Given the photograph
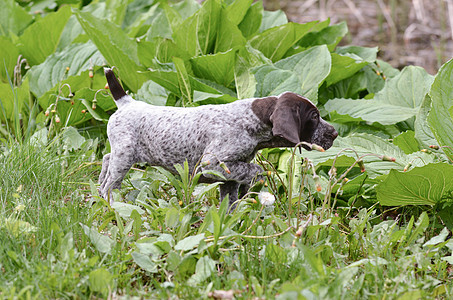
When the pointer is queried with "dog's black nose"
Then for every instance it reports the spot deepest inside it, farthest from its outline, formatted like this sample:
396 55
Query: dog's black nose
334 134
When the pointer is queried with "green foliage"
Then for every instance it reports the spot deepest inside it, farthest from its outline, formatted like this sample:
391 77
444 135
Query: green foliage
425 185
440 116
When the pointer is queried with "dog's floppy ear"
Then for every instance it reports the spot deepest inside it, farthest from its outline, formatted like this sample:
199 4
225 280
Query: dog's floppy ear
286 121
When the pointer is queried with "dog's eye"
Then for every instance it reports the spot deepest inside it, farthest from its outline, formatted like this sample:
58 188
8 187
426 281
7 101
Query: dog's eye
315 116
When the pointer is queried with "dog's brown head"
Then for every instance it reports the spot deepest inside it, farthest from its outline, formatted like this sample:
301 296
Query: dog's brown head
294 119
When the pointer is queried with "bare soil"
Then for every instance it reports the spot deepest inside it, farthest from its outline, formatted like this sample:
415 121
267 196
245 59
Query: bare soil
407 32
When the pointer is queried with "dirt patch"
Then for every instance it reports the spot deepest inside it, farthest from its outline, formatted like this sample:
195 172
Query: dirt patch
417 32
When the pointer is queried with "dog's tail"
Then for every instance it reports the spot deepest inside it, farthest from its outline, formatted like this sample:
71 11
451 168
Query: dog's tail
115 87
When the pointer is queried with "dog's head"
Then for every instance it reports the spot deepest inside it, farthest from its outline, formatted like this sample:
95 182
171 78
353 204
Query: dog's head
296 119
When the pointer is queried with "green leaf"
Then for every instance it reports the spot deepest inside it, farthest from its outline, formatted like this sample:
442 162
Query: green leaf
76 57
217 67
398 101
272 19
149 249
166 79
172 217
152 93
116 47
161 49
407 142
423 132
237 10
104 100
198 33
419 230
160 26
13 18
425 185
343 67
275 42
125 210
186 8
11 98
189 242
247 58
435 240
329 36
440 117
183 79
363 143
229 36
41 38
72 140
144 262
117 10
366 54
204 269
8 59
101 242
301 73
101 280
251 22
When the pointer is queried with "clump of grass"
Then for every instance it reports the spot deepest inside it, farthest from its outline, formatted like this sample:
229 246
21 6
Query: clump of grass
39 221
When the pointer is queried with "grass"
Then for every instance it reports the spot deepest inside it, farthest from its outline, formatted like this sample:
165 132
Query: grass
56 241
39 224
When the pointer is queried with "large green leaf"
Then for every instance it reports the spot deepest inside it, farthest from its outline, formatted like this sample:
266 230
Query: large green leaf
161 49
152 93
8 58
329 36
41 38
426 185
423 132
228 36
116 47
363 143
275 42
343 66
217 67
237 10
252 20
247 58
301 73
272 19
440 117
77 57
366 54
407 142
13 18
198 33
12 98
73 31
398 101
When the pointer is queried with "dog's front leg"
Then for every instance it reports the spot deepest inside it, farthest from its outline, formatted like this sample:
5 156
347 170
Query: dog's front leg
237 174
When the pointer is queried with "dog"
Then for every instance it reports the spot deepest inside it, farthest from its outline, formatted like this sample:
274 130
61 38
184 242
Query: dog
224 137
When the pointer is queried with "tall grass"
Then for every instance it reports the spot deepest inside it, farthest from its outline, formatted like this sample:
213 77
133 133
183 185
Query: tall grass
39 222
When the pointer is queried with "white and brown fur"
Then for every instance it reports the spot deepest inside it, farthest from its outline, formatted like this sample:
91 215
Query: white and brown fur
229 133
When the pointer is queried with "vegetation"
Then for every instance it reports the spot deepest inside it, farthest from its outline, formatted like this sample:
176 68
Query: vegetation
368 218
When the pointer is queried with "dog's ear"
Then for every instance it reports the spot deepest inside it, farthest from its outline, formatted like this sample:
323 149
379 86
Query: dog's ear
286 122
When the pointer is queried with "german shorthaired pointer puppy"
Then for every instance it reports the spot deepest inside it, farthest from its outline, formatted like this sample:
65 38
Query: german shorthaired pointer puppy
218 135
